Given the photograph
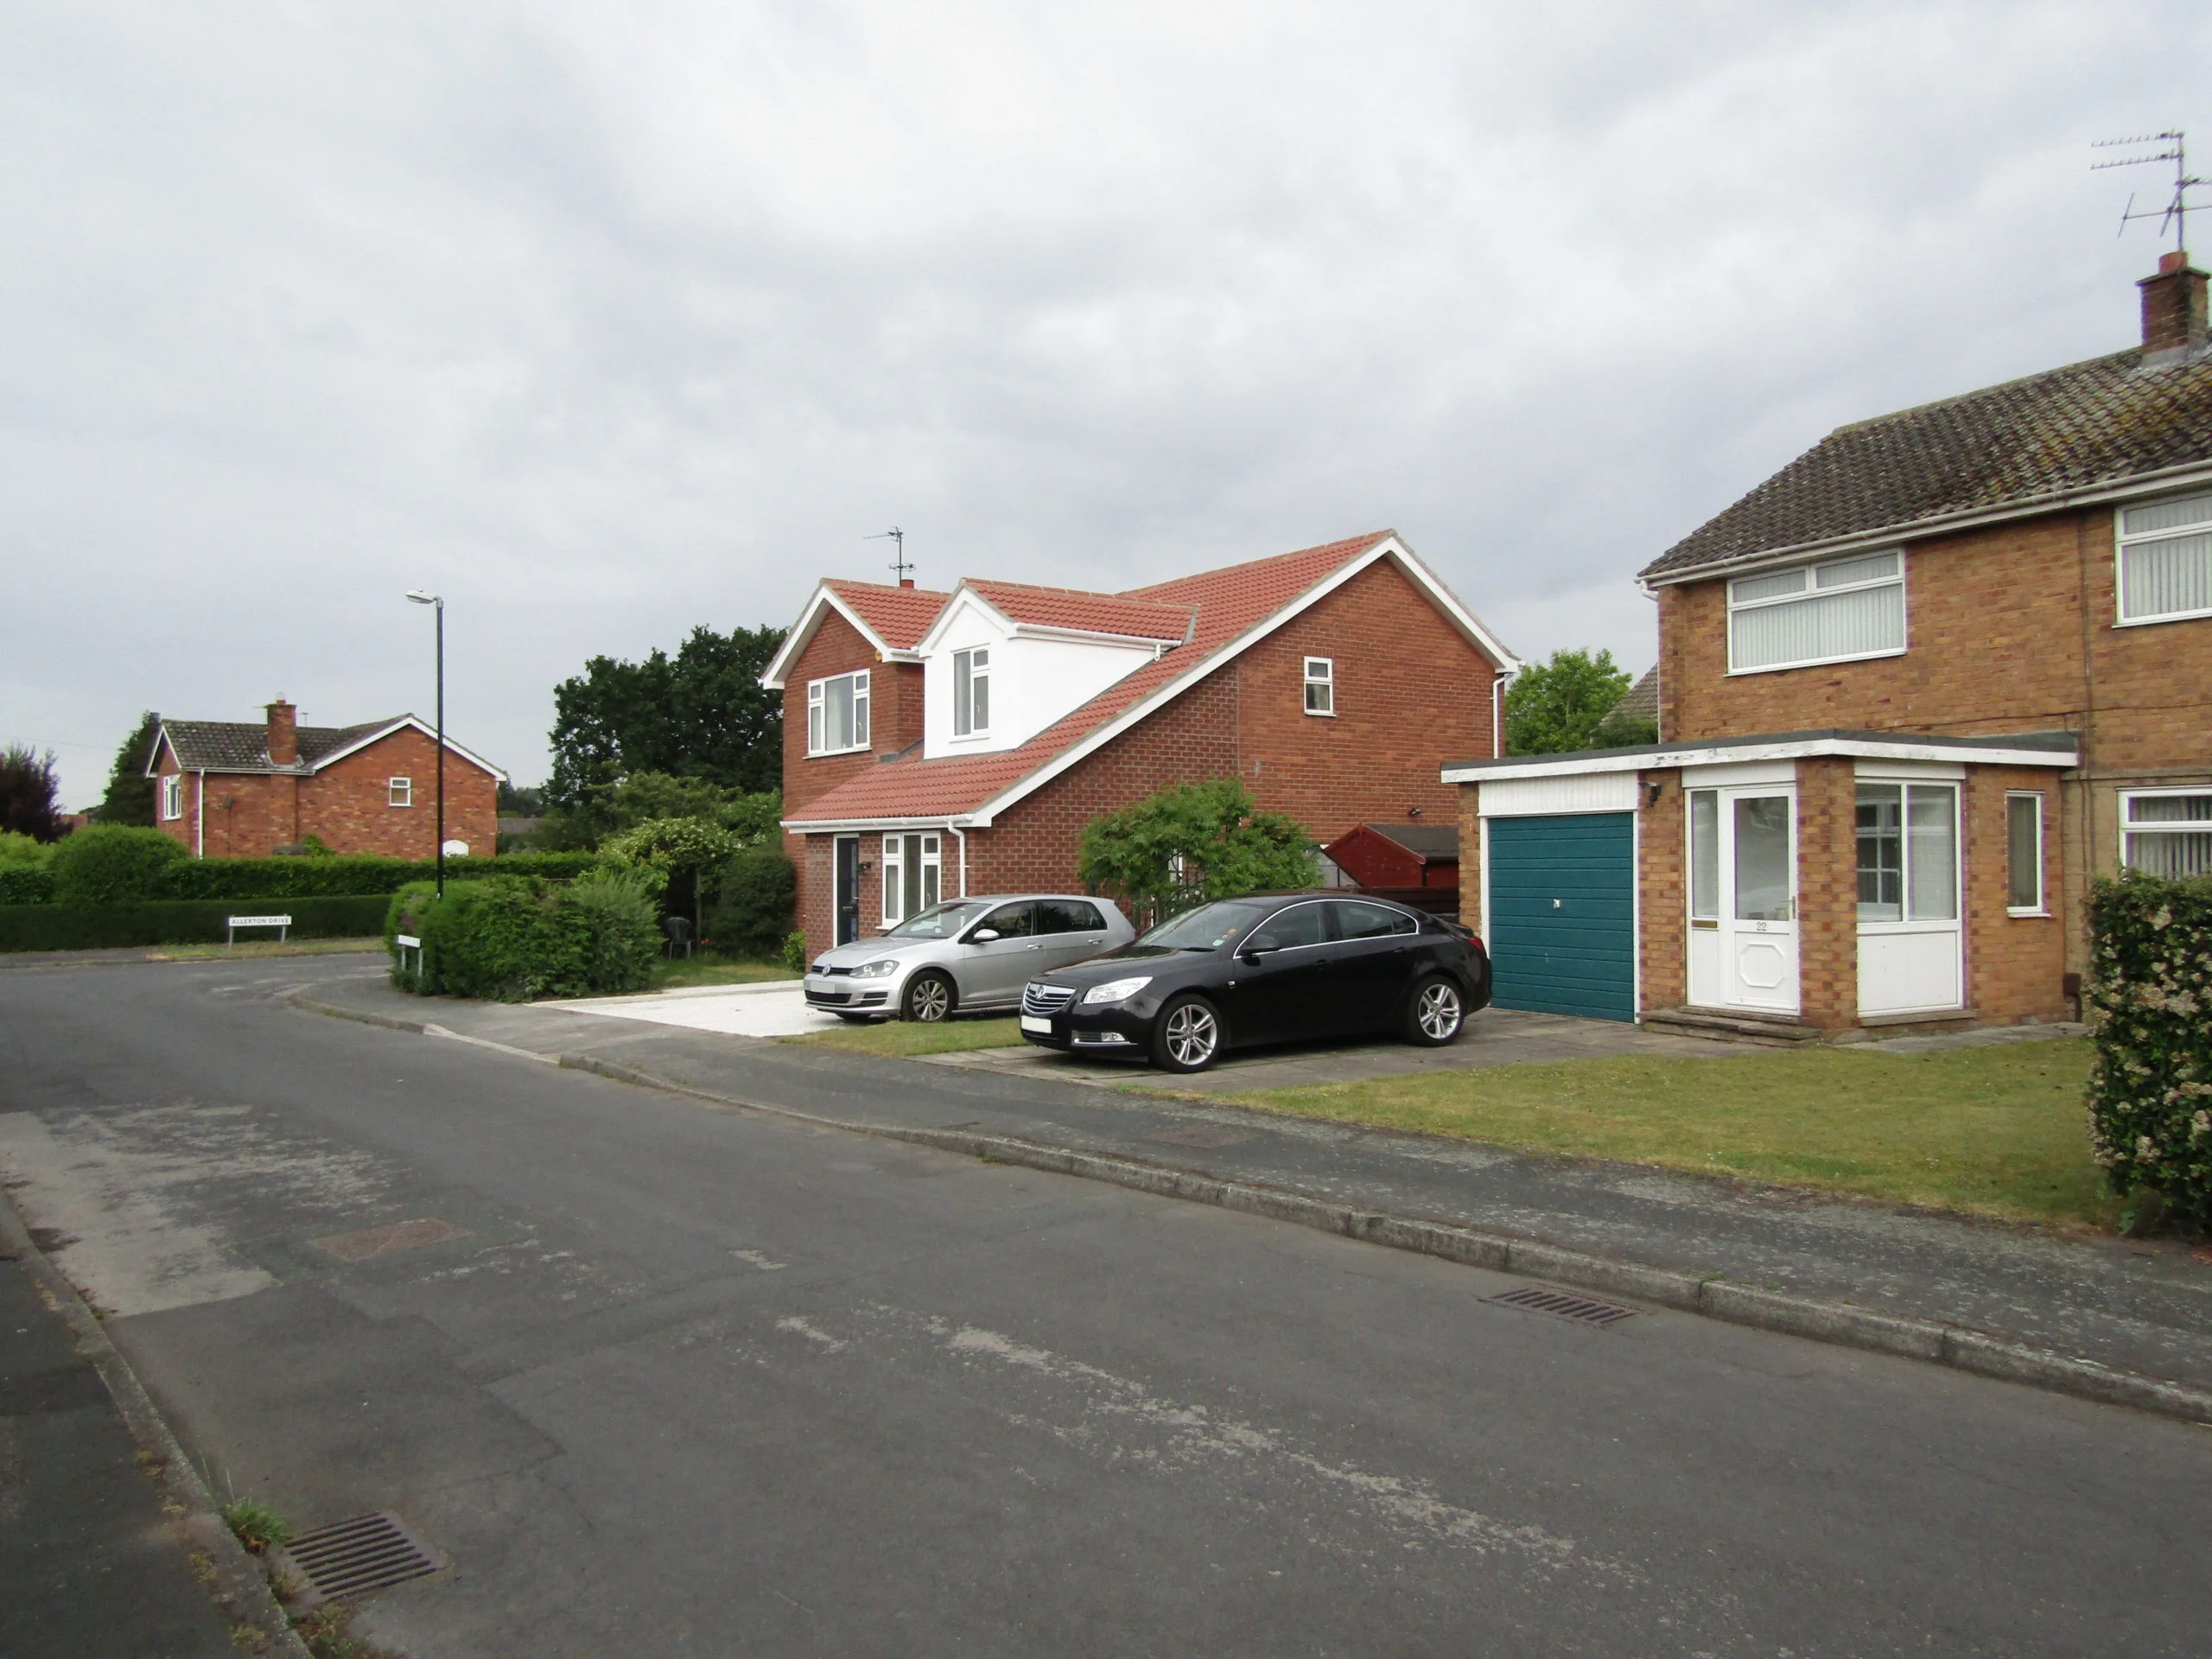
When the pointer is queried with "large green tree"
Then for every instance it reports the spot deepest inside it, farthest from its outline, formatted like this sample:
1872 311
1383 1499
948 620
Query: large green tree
1554 707
700 714
31 793
1192 843
130 798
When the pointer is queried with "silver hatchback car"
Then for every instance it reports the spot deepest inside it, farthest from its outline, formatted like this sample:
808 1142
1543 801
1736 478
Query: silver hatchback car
965 955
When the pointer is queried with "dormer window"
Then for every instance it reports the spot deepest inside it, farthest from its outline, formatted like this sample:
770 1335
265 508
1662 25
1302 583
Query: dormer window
971 691
837 714
1837 611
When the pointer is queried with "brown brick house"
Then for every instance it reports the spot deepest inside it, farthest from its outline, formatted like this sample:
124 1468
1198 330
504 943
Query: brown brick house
229 789
1914 690
943 743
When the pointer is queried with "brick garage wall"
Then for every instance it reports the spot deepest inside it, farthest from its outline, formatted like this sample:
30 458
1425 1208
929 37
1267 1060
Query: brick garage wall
1662 896
1827 892
2015 964
1471 856
348 805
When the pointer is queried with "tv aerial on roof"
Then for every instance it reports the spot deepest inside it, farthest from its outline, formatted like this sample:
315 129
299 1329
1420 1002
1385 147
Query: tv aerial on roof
2176 211
896 537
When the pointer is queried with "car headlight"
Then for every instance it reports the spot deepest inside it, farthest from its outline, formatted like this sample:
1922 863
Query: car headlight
881 968
1116 990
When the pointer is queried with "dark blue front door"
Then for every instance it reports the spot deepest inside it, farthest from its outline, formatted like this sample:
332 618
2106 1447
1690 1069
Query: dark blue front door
1561 927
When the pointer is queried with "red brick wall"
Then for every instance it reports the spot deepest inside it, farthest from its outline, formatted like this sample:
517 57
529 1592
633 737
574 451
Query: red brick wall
1662 899
1827 892
2015 964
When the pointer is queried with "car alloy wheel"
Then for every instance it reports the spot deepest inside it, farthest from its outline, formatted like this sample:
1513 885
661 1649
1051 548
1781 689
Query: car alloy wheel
1438 1011
929 998
1190 1037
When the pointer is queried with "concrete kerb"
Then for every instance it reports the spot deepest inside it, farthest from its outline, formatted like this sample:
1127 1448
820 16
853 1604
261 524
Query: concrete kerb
1934 1341
240 1589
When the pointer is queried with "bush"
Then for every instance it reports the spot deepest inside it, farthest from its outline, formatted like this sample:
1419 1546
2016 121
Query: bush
293 876
621 914
759 887
2150 989
26 884
510 939
70 927
114 864
795 953
1191 844
18 849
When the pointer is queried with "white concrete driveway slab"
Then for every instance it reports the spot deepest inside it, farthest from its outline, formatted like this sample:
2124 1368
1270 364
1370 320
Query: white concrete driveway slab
776 1009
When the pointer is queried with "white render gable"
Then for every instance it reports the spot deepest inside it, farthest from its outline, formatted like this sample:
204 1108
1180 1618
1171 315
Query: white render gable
1036 676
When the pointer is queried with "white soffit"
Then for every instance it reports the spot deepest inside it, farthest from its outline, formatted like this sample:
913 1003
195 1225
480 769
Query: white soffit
1529 797
1725 753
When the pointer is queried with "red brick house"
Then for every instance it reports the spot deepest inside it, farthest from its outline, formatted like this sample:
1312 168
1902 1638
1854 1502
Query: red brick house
1915 691
943 743
228 788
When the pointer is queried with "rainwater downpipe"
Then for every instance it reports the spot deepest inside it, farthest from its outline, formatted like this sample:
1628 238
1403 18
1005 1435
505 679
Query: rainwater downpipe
954 831
1497 713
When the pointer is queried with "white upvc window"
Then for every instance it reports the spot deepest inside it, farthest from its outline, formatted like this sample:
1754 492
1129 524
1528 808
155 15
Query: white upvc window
173 796
971 692
1320 685
2165 570
400 791
1908 852
2167 831
2024 854
837 714
1837 611
914 875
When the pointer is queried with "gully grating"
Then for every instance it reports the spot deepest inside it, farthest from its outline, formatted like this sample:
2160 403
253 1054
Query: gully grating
350 1558
1583 1310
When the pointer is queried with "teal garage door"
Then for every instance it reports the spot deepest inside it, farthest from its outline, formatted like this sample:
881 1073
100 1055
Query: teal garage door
1562 921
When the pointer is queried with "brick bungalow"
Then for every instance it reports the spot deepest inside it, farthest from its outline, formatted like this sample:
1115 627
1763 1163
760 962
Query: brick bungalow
938 744
229 789
1915 691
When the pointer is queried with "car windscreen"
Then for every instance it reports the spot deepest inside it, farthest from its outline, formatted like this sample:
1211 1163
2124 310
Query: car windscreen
1207 928
937 922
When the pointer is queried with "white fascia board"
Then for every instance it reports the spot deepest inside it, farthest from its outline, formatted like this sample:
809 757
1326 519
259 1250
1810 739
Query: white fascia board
962 594
1724 753
1941 523
401 724
1099 636
848 826
1446 602
773 677
160 742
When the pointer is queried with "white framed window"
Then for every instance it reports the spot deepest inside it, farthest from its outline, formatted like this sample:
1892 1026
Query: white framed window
1908 852
971 692
2165 570
1704 856
1320 685
914 875
2167 831
173 795
837 714
2024 854
1837 611
400 791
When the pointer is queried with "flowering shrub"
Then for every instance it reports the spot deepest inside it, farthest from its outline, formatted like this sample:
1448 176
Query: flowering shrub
2151 992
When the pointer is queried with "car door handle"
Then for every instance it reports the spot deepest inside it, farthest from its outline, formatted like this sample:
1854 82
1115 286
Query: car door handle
1032 947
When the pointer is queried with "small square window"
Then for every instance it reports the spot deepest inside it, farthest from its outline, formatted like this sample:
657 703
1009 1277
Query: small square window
1320 685
401 792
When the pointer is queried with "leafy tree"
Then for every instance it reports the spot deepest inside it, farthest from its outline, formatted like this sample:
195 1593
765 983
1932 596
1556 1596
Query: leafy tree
1622 730
1558 706
18 850
1192 843
648 797
130 798
701 714
31 793
521 800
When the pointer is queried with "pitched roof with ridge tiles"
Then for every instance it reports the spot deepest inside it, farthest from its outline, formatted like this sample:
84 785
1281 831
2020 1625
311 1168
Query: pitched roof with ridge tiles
2086 426
242 746
1230 602
899 616
1086 613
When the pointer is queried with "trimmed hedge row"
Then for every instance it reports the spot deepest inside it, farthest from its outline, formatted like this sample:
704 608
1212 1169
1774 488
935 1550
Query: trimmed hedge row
2151 986
70 927
26 884
512 939
304 878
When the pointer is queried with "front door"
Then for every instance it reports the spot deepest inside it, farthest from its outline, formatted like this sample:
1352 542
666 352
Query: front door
1758 898
848 888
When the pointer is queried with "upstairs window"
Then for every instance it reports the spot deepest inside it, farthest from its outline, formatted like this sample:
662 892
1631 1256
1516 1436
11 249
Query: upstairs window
1320 685
2165 560
2168 832
399 791
971 691
1836 612
837 714
173 796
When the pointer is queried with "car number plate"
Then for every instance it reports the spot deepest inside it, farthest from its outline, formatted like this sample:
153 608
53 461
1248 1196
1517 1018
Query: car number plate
1037 1023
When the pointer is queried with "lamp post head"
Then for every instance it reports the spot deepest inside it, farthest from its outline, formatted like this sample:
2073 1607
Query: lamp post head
418 596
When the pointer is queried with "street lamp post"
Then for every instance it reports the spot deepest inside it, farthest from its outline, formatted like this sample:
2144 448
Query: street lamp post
416 595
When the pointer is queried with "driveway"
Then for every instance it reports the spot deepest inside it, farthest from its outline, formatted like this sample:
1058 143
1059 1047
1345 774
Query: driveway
775 1009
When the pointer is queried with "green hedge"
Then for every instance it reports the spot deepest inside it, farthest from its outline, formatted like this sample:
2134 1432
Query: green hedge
72 927
26 884
258 878
2150 989
759 887
511 938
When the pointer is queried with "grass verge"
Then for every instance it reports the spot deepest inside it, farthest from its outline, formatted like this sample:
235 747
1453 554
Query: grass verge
262 948
1999 1130
901 1039
705 968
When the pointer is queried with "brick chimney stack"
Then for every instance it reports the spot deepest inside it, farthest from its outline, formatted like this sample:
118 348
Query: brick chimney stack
905 581
2173 305
284 734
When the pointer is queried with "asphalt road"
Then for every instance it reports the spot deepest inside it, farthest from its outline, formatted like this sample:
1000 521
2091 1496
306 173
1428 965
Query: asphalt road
675 1380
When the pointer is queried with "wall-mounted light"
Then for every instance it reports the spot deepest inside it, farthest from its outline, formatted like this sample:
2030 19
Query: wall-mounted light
1413 812
1653 789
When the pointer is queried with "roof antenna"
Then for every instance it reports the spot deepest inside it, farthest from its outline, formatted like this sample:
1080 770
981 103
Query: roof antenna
2175 213
896 537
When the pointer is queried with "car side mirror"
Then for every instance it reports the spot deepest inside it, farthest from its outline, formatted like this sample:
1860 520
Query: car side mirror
982 936
1258 945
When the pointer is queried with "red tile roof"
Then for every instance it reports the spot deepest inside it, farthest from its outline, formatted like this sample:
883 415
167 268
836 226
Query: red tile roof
1229 601
1072 607
900 616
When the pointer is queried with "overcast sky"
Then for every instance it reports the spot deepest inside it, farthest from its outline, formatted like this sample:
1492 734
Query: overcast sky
607 321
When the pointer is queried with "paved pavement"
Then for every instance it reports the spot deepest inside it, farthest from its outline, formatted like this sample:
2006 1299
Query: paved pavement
666 1379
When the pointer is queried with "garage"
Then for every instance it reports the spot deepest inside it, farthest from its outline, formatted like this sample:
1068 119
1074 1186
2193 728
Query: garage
1560 912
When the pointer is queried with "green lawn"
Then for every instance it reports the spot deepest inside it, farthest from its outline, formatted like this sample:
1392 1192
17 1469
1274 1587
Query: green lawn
899 1037
1998 1130
263 948
705 968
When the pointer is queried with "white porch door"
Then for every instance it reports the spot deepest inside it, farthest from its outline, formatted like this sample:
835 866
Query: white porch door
1744 885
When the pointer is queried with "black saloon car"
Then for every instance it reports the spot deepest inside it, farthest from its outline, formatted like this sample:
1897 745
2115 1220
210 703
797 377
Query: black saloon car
1269 968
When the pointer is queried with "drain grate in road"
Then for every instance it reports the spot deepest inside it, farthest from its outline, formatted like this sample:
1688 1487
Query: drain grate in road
1583 1310
350 1558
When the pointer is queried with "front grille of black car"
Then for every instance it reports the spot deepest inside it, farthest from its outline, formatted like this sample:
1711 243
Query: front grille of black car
1045 1000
